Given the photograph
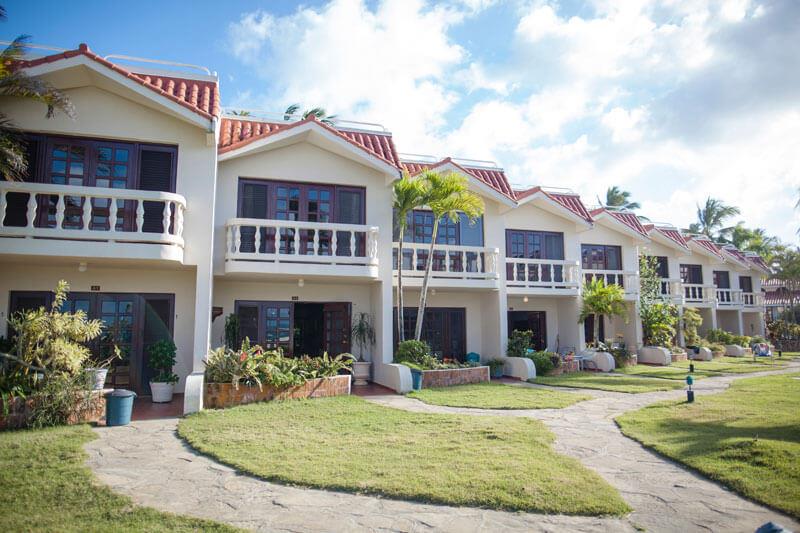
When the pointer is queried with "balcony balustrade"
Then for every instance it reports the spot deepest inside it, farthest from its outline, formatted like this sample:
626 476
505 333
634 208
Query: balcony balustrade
542 275
453 263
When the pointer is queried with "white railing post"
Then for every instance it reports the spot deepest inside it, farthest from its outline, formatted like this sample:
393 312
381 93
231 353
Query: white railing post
334 242
31 213
514 271
352 244
229 239
179 221
167 217
257 240
237 238
315 245
413 258
87 212
112 215
140 216
60 211
296 241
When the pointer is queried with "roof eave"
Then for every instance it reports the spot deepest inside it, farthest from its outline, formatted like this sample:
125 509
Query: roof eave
562 211
174 108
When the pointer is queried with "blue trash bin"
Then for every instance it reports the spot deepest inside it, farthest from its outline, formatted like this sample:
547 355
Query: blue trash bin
119 405
473 357
416 379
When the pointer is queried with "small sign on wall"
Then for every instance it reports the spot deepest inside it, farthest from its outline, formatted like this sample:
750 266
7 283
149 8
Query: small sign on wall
95 287
295 298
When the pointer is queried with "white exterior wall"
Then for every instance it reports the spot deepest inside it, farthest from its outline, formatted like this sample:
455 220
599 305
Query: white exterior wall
106 115
22 276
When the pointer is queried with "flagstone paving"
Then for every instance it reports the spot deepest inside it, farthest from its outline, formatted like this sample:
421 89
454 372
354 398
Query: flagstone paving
148 462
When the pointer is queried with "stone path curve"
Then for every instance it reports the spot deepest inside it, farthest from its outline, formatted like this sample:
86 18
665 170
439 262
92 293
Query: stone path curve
148 462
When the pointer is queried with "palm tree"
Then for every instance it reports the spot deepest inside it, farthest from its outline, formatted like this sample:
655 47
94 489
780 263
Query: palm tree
14 82
447 195
319 112
241 113
408 195
615 197
754 240
601 300
711 218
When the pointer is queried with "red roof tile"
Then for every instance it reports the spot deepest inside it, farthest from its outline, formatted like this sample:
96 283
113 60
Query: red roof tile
625 217
199 96
758 261
734 252
493 177
236 133
705 243
569 201
780 297
670 233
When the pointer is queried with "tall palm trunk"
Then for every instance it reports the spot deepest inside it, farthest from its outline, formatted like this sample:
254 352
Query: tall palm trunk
400 333
423 296
596 328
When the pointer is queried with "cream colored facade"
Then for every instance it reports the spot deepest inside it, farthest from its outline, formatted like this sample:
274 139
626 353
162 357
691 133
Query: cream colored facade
199 259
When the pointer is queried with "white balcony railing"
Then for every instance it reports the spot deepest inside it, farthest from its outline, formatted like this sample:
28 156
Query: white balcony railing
625 279
729 297
753 299
40 210
698 293
291 241
542 274
449 261
671 290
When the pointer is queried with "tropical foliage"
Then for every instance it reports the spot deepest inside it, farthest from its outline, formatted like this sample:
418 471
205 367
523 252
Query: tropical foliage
408 195
659 318
14 82
519 342
711 219
615 197
787 269
319 112
691 322
363 333
162 360
253 366
600 300
448 196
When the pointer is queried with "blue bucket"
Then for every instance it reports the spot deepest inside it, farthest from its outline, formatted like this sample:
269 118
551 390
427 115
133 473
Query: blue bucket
416 379
119 406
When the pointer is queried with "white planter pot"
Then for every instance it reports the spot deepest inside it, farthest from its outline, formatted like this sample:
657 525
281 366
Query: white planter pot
162 392
703 354
603 361
733 350
98 377
655 355
361 370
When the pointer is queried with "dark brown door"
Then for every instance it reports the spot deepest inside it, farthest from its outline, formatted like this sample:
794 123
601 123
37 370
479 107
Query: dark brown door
118 312
336 327
533 321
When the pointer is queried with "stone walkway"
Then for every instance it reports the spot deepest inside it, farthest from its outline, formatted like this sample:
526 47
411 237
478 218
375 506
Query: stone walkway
148 462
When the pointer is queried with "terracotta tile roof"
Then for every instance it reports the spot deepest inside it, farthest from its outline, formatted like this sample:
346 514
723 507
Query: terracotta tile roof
780 297
672 234
734 252
199 96
493 177
236 133
773 282
569 201
706 243
758 261
625 217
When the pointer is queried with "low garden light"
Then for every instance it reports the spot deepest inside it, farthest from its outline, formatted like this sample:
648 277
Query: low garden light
689 391
691 368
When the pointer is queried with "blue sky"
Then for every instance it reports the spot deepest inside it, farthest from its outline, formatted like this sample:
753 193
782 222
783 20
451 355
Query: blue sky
673 101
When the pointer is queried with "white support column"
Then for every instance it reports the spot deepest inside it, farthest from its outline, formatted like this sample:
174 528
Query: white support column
739 322
681 340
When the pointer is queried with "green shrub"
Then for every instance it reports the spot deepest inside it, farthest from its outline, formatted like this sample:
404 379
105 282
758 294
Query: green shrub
494 364
717 349
691 322
622 357
519 343
542 361
412 351
658 324
161 361
59 397
232 331
719 336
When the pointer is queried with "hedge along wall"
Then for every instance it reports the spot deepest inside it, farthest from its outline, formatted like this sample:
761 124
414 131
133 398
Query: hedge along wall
222 395
19 411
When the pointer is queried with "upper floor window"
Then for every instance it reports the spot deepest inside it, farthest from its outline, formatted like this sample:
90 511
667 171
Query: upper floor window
746 283
662 267
722 279
692 274
534 244
419 229
307 202
601 257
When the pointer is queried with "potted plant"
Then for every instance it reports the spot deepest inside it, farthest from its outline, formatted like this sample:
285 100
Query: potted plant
496 368
363 334
161 360
98 372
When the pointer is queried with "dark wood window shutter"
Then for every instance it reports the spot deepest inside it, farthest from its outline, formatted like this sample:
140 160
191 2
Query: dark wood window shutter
156 173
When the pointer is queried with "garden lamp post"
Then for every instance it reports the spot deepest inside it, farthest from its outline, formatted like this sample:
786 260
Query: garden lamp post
689 391
691 368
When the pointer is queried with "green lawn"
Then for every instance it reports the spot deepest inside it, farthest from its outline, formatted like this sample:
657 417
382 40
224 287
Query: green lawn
348 444
664 372
497 396
733 365
46 487
747 437
608 382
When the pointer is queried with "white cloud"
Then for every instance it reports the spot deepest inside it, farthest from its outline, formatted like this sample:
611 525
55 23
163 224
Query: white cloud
625 125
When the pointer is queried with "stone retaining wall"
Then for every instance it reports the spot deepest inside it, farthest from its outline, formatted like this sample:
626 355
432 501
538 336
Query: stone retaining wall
221 395
454 376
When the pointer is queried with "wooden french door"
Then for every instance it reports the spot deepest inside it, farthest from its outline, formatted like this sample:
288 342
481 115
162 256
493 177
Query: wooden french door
533 321
336 327
132 322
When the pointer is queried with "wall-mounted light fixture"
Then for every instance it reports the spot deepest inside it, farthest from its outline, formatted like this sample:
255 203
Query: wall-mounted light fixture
82 267
301 282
